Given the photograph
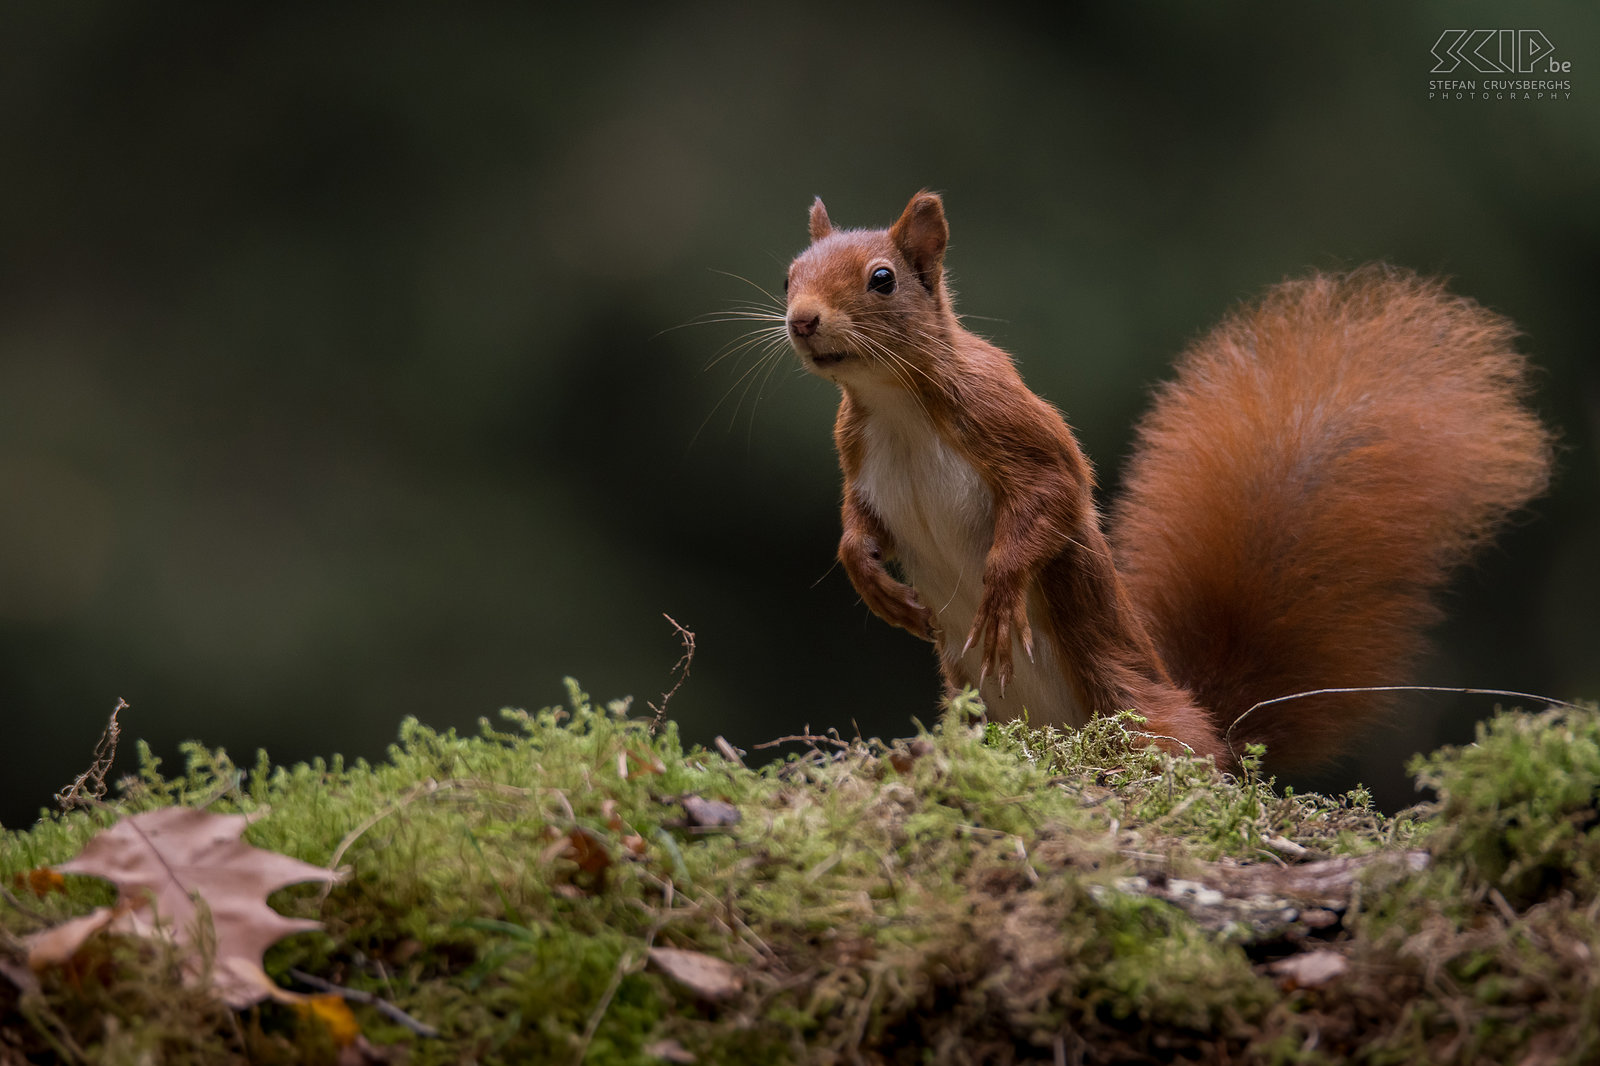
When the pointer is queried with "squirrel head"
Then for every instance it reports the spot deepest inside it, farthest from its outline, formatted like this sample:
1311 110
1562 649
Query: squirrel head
862 304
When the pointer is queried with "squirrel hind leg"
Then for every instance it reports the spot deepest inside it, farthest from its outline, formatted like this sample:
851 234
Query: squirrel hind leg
1174 723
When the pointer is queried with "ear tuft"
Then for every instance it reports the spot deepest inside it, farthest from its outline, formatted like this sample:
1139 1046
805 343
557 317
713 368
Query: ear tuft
921 234
820 226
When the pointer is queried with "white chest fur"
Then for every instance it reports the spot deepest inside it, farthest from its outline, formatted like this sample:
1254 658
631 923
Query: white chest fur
934 502
941 514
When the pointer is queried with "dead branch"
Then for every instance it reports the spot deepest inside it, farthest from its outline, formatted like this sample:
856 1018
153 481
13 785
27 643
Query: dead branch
681 667
382 1006
90 787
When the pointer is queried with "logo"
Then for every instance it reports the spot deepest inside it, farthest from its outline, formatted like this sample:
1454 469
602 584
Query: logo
1497 52
1519 65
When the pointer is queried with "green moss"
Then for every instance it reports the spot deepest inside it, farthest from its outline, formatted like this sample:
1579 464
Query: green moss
968 895
1518 808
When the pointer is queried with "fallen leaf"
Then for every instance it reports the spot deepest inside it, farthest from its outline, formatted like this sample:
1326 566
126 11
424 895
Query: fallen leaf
709 814
584 849
41 881
333 1012
706 976
244 974
1310 970
162 863
58 944
588 851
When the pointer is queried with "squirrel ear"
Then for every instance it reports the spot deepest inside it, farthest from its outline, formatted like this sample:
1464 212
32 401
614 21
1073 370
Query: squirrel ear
921 234
820 226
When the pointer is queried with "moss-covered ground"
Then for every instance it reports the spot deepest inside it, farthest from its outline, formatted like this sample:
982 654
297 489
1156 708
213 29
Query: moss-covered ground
986 894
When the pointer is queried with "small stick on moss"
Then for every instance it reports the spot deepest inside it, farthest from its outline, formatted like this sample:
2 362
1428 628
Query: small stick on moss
749 936
1550 701
681 667
381 1005
807 737
425 788
1506 910
728 751
422 791
90 787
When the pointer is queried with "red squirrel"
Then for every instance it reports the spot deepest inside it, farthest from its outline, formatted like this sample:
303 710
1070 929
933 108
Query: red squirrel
1321 462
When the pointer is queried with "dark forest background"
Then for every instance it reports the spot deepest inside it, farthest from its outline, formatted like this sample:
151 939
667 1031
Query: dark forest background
340 376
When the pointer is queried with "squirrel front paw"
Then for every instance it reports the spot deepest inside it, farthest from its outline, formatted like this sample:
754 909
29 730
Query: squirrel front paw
899 605
1001 618
864 556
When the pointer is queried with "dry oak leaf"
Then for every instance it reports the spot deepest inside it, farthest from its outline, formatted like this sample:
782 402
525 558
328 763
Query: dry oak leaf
57 945
161 862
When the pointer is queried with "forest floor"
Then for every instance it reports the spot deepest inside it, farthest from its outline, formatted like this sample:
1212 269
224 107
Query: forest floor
572 886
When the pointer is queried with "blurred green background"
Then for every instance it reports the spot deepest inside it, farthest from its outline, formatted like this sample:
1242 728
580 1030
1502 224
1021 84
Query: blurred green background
340 377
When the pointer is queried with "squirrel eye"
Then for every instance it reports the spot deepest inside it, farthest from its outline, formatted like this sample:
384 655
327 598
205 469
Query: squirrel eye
882 280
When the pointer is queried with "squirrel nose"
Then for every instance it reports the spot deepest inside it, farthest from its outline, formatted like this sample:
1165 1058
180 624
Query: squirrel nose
802 325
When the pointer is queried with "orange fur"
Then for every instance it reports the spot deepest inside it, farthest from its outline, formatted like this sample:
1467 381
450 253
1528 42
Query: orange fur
1321 462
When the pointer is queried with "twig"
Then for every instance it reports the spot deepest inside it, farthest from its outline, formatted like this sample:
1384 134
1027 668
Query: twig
682 669
425 788
1227 737
422 790
1161 736
728 751
381 1005
90 787
807 737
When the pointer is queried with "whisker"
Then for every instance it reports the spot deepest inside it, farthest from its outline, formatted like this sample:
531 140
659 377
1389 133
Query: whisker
897 364
771 338
759 288
890 354
772 363
737 313
758 345
742 384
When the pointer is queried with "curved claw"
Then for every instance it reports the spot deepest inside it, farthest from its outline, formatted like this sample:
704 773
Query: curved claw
994 629
1002 664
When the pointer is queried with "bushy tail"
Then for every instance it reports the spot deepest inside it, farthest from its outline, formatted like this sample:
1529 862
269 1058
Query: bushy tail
1306 484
